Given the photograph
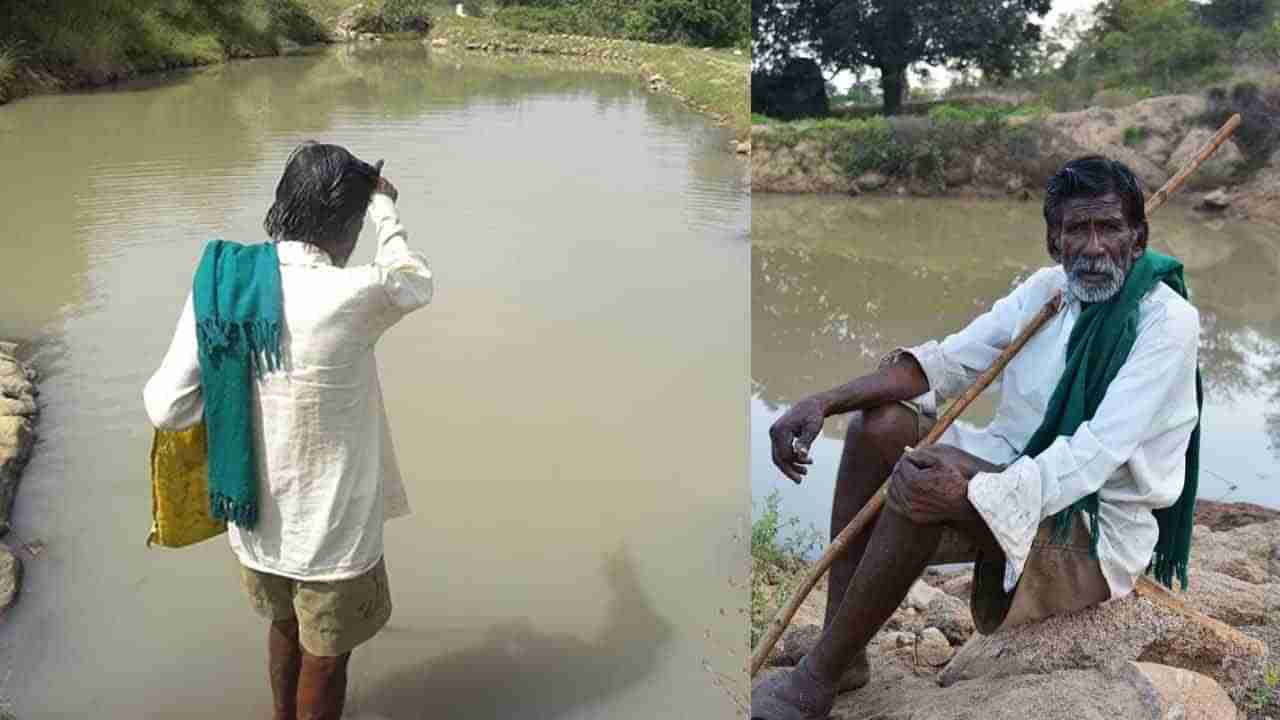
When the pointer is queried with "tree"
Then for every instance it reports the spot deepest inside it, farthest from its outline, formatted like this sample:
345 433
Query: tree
1235 17
995 36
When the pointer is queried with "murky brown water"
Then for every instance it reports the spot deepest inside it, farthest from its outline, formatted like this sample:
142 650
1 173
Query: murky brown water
568 413
838 282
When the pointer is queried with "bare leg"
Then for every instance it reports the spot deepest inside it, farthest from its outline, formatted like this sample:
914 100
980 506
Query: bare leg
322 686
874 442
285 663
893 558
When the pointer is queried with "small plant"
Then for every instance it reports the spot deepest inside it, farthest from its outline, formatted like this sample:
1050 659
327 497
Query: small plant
779 548
1134 135
1268 691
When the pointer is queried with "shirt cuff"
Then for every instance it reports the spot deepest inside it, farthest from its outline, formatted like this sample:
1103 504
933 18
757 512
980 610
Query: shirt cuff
382 207
931 360
1009 502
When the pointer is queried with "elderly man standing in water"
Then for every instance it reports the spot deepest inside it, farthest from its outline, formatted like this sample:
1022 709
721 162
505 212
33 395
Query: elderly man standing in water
1085 478
274 352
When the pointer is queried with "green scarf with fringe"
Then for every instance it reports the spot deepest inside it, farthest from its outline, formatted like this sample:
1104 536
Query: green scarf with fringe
238 307
1099 345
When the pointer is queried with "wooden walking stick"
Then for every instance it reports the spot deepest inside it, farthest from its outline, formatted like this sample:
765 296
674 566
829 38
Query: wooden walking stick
860 521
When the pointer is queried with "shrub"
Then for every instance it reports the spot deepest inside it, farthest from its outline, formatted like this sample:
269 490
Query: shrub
1134 135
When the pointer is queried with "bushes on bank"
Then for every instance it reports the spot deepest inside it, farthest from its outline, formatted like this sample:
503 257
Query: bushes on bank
716 23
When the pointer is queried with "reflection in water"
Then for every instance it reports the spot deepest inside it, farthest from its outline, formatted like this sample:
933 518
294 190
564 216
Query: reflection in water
518 672
837 283
589 240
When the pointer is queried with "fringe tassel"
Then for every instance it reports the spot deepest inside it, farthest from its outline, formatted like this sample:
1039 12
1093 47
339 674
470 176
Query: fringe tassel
223 507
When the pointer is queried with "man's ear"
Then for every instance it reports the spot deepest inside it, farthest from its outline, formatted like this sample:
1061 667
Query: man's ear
1140 240
1052 246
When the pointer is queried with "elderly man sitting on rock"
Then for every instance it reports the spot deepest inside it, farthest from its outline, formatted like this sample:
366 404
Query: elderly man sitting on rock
1084 479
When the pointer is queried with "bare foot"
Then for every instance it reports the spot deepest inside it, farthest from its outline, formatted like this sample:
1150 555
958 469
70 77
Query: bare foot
856 675
792 695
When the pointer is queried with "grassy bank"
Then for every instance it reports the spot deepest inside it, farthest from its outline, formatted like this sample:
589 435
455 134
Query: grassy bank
75 43
778 550
715 82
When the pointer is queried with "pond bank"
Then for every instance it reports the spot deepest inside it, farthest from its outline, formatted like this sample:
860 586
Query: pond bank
1227 629
714 82
18 412
992 153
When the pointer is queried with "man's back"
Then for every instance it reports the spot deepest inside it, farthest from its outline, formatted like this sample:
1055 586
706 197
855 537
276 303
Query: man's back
327 469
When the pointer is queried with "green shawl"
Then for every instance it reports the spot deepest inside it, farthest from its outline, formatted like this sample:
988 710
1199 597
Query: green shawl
238 308
1099 345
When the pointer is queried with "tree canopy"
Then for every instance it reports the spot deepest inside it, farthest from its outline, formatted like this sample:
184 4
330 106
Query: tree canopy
995 36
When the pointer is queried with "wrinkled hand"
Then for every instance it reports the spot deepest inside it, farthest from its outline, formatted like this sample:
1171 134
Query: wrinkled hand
931 485
792 435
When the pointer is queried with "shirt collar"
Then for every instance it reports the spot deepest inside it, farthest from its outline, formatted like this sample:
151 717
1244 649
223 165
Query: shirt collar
292 252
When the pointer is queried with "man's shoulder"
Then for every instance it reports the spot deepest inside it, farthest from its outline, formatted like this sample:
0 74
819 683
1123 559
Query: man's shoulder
1165 311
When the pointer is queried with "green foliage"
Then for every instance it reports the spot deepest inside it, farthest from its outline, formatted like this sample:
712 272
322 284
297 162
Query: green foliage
1259 109
1235 17
1263 43
892 35
715 23
1134 135
778 551
1267 693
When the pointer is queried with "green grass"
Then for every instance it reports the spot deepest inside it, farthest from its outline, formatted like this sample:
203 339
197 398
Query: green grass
715 82
1266 696
779 547
89 41
1134 135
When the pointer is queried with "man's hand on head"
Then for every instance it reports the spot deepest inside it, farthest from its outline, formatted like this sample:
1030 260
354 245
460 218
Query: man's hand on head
385 187
931 485
792 435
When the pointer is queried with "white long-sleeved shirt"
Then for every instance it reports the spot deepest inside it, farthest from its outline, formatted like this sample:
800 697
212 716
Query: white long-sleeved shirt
1132 452
327 471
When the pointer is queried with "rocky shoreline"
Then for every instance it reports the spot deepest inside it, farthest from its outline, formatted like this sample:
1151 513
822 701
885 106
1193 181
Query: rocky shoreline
1212 651
1153 137
18 414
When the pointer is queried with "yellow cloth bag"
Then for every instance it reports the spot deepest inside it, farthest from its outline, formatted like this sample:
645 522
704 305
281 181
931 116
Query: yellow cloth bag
180 489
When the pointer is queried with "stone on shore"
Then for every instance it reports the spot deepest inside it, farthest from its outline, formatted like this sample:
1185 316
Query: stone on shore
1185 694
18 409
1131 628
10 577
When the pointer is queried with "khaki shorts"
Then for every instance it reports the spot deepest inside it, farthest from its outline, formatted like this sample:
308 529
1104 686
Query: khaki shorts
333 617
1058 578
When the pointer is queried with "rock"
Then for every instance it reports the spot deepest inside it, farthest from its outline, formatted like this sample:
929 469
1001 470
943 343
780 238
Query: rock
743 148
24 406
794 644
1220 516
1216 200
10 577
951 616
8 348
1273 562
1185 694
920 595
1015 184
1061 695
440 42
960 586
871 181
933 649
1233 601
1241 553
1219 167
1136 627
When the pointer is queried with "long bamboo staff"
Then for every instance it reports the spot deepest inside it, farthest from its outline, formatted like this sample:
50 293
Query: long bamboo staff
860 521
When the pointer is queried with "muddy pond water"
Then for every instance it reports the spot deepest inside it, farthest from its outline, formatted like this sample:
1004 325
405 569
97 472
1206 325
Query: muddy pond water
839 282
568 412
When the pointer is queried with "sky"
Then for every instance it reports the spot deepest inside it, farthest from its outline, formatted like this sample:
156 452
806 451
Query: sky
940 77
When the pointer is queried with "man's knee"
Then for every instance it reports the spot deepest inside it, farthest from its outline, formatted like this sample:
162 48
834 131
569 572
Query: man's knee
325 665
888 429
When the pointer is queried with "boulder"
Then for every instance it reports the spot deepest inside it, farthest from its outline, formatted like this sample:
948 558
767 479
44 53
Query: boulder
1233 601
24 406
960 586
1241 553
1153 626
920 595
932 648
1215 201
1273 562
1185 694
1221 166
1220 516
871 181
10 577
951 616
794 644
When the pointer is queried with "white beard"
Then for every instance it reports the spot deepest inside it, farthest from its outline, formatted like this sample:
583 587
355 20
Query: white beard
1095 293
